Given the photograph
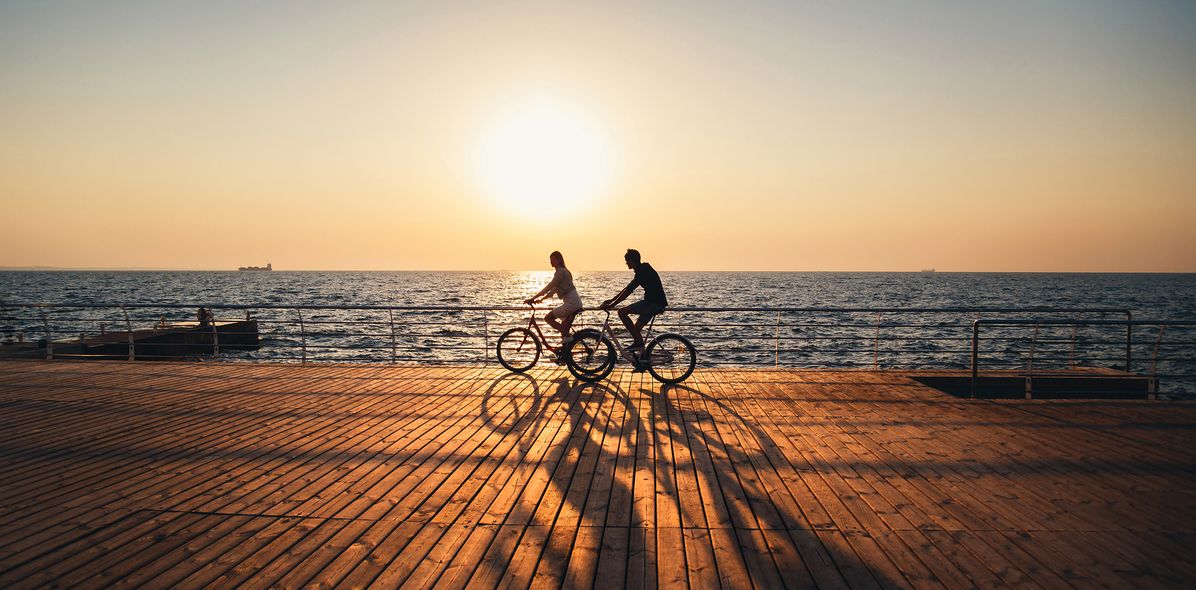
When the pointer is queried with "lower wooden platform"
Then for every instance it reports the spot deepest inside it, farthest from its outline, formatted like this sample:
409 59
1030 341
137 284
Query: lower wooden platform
184 475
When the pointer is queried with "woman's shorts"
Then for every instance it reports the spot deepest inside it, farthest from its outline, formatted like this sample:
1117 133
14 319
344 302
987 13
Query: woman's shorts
566 309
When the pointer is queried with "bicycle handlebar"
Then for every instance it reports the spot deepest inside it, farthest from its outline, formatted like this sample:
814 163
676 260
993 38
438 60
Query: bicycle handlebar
607 310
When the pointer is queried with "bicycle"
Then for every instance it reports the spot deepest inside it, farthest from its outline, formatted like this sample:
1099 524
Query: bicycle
590 355
518 349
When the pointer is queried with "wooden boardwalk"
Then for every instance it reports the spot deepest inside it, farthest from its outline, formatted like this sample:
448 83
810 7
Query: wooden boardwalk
184 475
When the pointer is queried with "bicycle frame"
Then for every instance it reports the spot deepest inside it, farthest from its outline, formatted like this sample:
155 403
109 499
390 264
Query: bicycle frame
606 331
589 364
532 324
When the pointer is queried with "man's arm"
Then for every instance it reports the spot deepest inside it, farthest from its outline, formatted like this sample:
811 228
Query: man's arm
622 294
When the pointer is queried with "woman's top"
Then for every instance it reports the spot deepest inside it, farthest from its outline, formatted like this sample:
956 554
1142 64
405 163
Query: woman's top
562 286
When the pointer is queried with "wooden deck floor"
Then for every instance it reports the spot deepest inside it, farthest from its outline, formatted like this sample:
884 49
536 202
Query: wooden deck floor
183 475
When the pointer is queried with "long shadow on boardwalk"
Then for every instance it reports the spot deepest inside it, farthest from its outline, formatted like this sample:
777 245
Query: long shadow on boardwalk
649 491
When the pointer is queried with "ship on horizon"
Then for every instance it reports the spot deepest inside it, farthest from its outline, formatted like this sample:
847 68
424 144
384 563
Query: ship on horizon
267 267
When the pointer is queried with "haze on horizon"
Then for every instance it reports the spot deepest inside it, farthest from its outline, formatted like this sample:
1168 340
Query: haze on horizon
1055 135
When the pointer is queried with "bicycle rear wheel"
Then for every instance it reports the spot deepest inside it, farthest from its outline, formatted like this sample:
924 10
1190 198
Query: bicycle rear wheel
670 358
518 349
590 356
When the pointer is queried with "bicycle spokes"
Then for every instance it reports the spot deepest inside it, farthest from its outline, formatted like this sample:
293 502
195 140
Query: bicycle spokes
671 358
590 357
662 357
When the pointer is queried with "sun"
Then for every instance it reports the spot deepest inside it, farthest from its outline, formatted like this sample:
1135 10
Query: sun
543 157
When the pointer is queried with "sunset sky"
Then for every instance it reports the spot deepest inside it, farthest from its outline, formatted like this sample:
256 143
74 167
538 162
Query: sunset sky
1041 135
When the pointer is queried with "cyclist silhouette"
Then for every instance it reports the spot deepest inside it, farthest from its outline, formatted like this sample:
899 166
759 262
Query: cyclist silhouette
654 300
561 285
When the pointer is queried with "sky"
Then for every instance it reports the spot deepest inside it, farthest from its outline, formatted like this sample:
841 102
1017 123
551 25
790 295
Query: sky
1044 135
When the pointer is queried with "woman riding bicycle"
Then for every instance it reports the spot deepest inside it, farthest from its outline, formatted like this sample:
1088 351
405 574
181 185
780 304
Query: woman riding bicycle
561 285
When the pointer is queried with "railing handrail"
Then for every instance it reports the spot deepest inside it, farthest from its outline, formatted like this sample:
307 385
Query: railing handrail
704 309
1075 322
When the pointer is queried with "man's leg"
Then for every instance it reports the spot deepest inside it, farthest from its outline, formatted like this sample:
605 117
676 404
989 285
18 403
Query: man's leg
637 341
640 322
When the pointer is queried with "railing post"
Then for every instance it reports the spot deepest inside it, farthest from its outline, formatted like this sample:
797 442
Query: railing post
1071 356
1154 364
302 336
1129 338
1030 364
215 335
394 343
1154 356
1033 345
975 354
813 337
485 337
777 344
876 345
129 328
49 338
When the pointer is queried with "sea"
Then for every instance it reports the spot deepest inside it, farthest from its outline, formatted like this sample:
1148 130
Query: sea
755 333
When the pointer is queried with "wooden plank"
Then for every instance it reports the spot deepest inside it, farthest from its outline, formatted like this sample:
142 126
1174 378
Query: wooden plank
670 542
274 529
613 553
564 538
489 545
642 552
276 523
896 548
87 514
588 544
1072 493
500 443
725 544
288 539
542 501
404 487
786 554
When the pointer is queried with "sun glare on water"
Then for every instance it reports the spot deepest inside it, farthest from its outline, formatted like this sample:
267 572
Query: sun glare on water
543 158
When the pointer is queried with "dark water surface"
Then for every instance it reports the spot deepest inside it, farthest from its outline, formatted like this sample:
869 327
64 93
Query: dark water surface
1153 295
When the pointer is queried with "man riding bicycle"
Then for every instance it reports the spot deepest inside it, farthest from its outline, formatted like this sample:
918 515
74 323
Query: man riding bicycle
653 303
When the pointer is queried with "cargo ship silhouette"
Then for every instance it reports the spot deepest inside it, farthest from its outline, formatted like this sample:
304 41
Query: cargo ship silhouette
267 267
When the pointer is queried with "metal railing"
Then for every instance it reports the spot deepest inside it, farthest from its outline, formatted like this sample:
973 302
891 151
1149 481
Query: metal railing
1177 359
798 337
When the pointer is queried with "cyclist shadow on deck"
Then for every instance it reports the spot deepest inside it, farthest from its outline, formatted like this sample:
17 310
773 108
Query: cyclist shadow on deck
635 483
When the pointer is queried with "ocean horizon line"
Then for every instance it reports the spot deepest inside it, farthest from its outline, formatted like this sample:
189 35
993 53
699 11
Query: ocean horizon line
479 270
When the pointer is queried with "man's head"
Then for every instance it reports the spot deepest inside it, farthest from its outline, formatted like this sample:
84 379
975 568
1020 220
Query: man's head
556 260
632 258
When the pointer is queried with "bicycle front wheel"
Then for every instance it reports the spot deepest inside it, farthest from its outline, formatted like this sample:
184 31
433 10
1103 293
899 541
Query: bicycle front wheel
670 358
518 349
590 356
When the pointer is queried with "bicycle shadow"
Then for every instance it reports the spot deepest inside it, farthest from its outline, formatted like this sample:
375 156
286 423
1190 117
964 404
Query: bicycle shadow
648 487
